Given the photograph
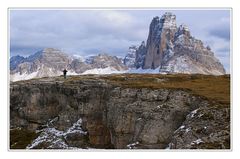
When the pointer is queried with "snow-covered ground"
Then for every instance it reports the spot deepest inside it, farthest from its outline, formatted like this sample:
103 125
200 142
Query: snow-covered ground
24 76
107 70
140 70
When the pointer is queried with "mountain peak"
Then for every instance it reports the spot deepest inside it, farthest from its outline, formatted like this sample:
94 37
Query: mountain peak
156 20
143 43
183 30
51 51
130 58
15 61
183 27
155 24
160 38
174 50
168 21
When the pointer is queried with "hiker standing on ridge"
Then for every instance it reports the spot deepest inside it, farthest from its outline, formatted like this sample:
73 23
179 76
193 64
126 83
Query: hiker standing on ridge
65 73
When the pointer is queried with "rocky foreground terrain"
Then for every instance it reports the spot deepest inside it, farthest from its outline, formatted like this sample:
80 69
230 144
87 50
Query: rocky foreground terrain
124 111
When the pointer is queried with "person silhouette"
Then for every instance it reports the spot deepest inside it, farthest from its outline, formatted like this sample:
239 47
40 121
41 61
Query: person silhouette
65 73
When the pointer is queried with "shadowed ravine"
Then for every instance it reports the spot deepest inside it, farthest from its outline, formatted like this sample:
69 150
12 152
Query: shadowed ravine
121 111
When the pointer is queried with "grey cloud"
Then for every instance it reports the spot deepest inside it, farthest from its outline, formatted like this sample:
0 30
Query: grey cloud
81 30
224 50
221 29
23 51
221 32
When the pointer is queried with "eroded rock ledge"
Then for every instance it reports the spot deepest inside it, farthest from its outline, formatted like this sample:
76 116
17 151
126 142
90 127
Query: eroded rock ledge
95 112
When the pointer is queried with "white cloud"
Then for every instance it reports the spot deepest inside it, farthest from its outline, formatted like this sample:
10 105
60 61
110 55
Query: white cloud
71 29
117 19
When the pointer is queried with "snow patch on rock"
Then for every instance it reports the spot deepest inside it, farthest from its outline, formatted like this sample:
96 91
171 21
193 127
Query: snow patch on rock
55 138
130 58
19 77
132 145
198 141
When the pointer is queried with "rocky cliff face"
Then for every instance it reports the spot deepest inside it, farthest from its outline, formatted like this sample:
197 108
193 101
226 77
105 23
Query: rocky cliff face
160 40
105 60
106 112
140 55
15 61
172 49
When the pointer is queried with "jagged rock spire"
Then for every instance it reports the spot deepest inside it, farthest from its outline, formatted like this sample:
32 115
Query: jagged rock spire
168 21
183 29
140 55
161 35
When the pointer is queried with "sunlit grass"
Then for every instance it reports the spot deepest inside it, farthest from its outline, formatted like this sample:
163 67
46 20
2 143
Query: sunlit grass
211 87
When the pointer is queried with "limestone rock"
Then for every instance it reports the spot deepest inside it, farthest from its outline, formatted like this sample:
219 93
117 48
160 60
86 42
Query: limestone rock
130 58
114 116
197 131
140 55
168 46
105 60
161 35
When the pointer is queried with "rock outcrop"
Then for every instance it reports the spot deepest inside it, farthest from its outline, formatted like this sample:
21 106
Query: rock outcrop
193 135
15 61
140 55
160 40
172 49
105 60
97 112
79 66
130 58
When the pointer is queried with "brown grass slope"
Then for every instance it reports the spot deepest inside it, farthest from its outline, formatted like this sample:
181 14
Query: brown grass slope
215 88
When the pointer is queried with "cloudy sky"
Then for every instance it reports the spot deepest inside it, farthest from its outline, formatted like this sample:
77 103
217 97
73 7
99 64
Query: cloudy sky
89 32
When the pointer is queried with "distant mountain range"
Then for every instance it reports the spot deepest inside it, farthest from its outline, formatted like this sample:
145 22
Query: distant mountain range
51 62
169 49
